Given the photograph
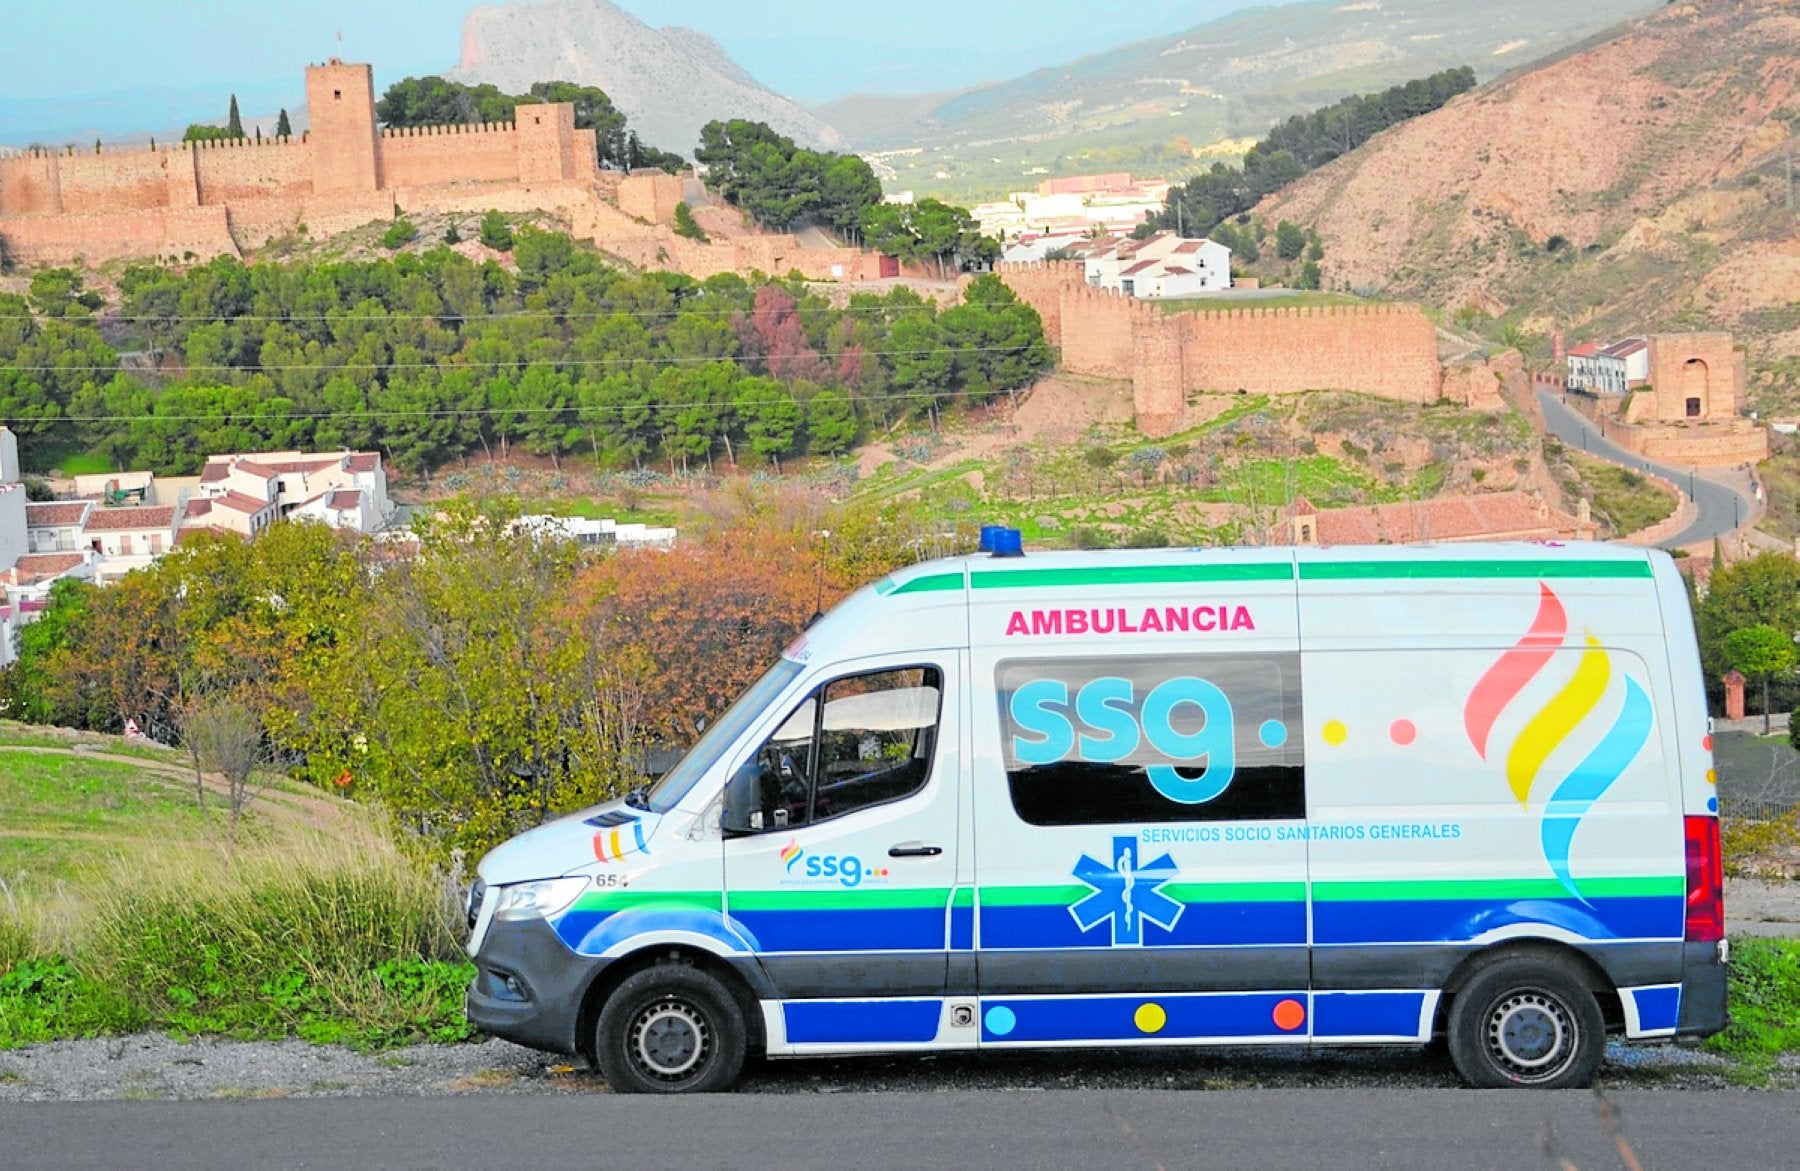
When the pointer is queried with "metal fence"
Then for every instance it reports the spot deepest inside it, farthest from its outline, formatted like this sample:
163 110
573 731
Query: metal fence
1736 809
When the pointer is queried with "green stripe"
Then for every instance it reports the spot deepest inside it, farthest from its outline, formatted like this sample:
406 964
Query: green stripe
1099 575
1236 892
1381 570
935 583
628 900
964 896
1033 896
1494 889
844 899
1186 892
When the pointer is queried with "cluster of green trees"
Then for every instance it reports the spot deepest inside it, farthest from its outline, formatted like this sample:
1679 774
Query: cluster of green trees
779 183
433 101
430 356
1303 143
475 686
233 128
929 232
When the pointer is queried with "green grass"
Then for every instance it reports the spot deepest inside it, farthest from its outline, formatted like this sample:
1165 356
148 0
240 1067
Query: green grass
1764 999
1625 500
68 459
58 812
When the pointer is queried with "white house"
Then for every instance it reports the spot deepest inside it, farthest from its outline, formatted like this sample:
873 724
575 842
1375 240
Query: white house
55 526
1163 265
1616 369
129 537
231 512
288 481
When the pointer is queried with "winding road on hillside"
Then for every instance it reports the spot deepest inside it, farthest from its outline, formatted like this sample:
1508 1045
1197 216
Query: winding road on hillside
1721 508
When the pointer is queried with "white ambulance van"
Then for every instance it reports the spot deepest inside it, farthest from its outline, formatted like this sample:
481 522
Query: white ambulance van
1337 796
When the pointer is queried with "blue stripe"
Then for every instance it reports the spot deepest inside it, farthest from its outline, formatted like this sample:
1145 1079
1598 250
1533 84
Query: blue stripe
1200 925
868 929
592 933
867 1021
1367 1014
962 928
1458 920
1092 1018
1658 1008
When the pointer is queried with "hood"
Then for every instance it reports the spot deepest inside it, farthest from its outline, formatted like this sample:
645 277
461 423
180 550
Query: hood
576 843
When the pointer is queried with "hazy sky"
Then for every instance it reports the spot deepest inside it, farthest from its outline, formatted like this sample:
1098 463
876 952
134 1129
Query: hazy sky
807 49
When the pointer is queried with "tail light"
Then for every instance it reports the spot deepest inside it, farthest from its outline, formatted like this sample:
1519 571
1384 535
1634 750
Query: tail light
1705 881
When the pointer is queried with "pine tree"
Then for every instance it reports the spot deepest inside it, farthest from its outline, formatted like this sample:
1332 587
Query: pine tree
234 125
283 129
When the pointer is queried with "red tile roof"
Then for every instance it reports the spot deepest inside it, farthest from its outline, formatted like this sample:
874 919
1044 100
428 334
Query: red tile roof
112 520
1498 514
1140 266
345 499
36 567
214 471
51 514
365 461
240 502
1585 350
255 469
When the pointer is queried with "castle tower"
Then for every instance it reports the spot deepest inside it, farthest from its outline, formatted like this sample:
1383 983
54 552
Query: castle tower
340 101
546 138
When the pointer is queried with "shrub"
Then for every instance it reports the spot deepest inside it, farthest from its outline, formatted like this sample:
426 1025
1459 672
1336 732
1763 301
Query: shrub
349 936
1765 1002
495 233
685 224
452 236
1089 537
399 234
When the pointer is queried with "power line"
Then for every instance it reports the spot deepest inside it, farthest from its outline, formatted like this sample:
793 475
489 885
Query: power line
450 366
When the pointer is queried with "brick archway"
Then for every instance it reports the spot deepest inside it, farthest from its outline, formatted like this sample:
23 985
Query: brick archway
1695 390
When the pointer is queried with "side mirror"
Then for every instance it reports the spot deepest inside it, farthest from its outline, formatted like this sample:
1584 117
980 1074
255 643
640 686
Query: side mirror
743 813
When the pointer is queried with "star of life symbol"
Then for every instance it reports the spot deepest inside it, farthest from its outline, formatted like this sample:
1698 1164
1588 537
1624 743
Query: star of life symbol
1126 892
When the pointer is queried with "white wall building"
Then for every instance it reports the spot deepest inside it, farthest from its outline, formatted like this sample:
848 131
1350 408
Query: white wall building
56 526
602 534
1164 265
288 481
129 538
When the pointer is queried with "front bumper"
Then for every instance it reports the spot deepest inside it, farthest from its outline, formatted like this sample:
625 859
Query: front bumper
529 987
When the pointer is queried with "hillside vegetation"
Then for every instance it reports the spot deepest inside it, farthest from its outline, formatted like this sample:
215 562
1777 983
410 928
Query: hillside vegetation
1640 184
1155 105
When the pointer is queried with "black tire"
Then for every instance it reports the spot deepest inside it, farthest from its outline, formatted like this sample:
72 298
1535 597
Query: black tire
1526 1023
670 1029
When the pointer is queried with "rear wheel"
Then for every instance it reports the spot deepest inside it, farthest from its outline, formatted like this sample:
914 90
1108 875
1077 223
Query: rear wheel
1526 1023
670 1029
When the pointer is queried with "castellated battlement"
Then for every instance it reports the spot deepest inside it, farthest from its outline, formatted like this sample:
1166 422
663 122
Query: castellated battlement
217 195
1384 350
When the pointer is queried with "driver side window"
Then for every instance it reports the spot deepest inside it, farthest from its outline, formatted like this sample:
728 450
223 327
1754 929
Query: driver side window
856 742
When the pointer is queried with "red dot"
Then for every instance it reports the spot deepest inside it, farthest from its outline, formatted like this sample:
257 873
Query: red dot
1289 1015
1706 743
1403 732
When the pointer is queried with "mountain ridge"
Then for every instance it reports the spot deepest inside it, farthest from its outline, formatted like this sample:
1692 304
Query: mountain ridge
667 81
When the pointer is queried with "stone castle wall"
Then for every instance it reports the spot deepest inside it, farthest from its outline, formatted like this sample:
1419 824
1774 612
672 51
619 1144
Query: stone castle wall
147 202
651 196
1385 350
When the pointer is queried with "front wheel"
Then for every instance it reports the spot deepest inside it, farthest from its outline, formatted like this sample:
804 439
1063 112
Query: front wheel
670 1029
1526 1023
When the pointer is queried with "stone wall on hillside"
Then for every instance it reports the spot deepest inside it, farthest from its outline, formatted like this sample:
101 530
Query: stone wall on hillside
58 206
651 196
1385 350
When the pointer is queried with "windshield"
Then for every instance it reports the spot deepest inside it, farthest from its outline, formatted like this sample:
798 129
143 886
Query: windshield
681 779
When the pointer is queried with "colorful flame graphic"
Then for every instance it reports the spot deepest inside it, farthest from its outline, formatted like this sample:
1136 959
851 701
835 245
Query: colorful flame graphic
1559 719
609 848
791 852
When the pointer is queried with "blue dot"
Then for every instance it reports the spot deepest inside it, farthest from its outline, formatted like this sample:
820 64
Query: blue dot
1712 804
1273 733
1000 1020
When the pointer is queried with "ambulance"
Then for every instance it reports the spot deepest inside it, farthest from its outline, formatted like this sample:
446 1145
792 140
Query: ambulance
1382 796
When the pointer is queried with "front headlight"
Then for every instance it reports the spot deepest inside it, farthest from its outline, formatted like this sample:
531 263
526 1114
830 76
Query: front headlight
537 900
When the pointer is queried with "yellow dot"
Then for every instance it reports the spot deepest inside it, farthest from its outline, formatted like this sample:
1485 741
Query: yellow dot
1712 776
1335 732
1150 1018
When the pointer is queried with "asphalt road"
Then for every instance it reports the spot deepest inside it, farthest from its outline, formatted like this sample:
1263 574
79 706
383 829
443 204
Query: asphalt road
1321 1128
1721 509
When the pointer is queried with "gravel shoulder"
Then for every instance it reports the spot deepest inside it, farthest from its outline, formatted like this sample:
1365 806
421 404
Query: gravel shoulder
154 1067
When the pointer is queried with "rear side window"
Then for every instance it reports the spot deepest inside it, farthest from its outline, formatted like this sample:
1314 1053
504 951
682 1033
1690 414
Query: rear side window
1170 738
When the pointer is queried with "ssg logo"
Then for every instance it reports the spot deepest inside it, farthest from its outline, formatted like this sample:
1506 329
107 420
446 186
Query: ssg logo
1126 893
1559 720
844 869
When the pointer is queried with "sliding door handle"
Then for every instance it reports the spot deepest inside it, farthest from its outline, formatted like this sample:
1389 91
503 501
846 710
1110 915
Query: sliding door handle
914 850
